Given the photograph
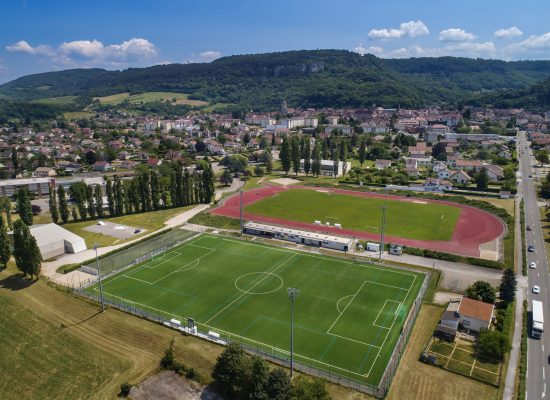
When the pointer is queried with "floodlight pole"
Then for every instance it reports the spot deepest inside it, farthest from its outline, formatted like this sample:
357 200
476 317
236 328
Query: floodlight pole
384 208
292 294
241 208
99 278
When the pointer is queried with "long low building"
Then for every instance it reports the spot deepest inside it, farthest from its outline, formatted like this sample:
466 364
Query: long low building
53 240
37 186
298 236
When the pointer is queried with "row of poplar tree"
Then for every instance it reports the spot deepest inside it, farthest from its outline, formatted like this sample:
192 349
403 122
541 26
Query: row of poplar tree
147 191
294 149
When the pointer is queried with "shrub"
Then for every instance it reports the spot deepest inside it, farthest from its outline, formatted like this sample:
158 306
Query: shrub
125 389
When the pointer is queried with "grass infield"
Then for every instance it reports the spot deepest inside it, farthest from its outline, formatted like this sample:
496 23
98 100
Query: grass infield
404 219
348 316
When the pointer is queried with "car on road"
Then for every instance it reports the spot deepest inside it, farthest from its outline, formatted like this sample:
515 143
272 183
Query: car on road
532 265
531 249
530 176
528 227
536 289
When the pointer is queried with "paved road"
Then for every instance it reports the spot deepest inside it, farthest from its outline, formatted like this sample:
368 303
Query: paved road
538 349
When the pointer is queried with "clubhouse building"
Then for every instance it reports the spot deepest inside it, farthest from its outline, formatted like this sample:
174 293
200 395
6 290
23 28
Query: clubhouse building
315 239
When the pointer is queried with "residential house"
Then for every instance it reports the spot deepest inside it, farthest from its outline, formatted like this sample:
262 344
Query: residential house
102 166
494 172
44 172
437 185
382 164
444 173
461 178
475 315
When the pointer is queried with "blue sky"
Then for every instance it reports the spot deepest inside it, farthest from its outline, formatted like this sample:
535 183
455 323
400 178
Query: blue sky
47 35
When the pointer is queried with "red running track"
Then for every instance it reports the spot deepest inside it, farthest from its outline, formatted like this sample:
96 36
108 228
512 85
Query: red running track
473 228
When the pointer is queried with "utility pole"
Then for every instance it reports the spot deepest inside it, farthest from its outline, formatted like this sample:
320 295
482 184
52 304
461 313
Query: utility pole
384 208
99 278
292 294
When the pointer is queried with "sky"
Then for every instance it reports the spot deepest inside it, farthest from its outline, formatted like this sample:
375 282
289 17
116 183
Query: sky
49 35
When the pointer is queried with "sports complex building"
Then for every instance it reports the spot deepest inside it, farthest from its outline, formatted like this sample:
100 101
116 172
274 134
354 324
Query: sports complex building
53 240
298 236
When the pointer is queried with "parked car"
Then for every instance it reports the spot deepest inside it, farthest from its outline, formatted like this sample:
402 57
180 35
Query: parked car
528 227
532 265
536 289
531 248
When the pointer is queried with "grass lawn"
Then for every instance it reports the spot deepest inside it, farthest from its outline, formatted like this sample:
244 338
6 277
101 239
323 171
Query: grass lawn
148 97
348 316
150 221
78 114
62 100
403 219
415 380
217 221
127 349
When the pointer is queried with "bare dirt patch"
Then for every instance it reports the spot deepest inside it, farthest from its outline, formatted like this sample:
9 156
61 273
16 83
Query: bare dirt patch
167 385
285 181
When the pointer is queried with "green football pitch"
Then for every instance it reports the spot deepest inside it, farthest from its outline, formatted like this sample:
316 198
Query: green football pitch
348 315
405 219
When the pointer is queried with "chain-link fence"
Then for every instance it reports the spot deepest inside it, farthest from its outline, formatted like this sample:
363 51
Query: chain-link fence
137 253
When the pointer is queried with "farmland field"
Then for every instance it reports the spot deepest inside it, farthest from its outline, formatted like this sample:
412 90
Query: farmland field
348 315
413 220
148 97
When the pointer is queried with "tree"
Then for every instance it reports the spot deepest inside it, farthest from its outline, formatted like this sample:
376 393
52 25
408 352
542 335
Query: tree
90 201
493 344
208 186
507 289
285 155
362 152
482 291
268 160
278 385
24 208
232 370
155 190
74 214
63 208
79 194
118 196
482 179
54 211
295 154
5 252
25 250
316 155
90 157
309 389
14 160
110 197
259 171
439 151
335 164
98 201
258 381
344 156
307 156
542 157
226 178
5 206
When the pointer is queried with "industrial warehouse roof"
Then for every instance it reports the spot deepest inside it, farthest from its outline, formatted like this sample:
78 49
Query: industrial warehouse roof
26 181
47 233
304 234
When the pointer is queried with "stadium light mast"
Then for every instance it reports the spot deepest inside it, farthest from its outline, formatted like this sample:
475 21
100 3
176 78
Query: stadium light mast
99 278
384 209
241 208
292 294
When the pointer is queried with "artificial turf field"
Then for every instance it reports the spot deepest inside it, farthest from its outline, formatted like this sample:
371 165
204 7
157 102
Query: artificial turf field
348 316
404 219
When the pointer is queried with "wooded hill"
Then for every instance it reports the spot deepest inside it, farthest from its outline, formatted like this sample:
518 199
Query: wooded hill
313 78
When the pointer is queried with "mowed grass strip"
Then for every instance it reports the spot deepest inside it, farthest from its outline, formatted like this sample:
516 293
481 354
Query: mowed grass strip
410 220
239 289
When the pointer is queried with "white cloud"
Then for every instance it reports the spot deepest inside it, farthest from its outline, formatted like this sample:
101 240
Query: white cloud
411 29
466 49
24 47
370 50
91 52
536 42
456 35
508 33
210 55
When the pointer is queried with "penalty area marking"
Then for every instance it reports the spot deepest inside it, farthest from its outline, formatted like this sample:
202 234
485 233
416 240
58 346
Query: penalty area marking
399 304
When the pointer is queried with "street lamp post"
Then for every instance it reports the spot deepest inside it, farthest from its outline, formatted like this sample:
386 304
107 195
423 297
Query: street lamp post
382 236
292 294
99 278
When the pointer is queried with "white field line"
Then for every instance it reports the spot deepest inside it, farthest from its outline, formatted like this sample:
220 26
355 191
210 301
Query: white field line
389 330
353 340
346 307
256 284
392 271
151 261
183 268
382 309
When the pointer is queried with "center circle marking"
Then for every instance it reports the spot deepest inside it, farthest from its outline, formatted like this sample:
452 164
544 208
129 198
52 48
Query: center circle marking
267 274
